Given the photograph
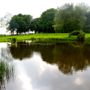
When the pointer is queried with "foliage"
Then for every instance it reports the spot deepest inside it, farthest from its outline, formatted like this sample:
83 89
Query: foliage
20 23
35 25
47 20
64 19
87 23
69 18
81 36
13 40
74 33
45 23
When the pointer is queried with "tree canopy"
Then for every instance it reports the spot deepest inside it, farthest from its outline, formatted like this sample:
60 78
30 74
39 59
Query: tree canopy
47 20
65 19
36 25
20 23
69 18
87 23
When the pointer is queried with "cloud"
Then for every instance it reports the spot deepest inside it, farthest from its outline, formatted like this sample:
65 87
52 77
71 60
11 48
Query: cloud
35 74
33 7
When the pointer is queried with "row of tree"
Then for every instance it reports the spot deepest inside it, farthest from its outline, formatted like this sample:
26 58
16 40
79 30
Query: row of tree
64 19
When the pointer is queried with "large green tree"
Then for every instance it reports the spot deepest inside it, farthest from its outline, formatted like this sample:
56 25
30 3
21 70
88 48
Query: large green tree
69 18
36 25
47 20
20 23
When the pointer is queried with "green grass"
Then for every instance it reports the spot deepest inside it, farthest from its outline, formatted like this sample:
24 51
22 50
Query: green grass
41 37
33 37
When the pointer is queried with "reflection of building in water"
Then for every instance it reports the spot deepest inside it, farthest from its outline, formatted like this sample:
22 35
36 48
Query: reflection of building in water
67 57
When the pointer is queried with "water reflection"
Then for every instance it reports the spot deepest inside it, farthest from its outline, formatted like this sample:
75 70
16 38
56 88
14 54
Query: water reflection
6 69
67 57
5 74
41 68
35 74
21 50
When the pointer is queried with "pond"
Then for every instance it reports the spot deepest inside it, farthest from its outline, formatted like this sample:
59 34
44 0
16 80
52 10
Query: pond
64 66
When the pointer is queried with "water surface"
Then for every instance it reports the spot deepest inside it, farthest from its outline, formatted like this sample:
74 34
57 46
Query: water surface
64 66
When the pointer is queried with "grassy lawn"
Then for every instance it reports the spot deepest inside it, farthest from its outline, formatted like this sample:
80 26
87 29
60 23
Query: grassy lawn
41 37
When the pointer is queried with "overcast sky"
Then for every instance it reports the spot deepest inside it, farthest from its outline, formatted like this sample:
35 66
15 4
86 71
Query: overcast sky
32 7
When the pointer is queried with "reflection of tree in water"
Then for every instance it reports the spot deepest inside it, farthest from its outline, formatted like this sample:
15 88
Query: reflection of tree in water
5 73
67 57
25 50
86 52
21 51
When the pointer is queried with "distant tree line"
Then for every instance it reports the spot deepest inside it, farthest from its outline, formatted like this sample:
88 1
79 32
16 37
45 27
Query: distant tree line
65 19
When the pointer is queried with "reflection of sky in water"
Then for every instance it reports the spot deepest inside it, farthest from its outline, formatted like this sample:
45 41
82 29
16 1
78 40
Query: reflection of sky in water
5 52
35 74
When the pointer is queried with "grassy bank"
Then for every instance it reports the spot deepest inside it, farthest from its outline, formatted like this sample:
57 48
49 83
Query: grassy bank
41 37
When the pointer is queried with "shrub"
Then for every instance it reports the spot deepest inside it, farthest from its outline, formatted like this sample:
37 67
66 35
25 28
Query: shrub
13 40
74 33
81 36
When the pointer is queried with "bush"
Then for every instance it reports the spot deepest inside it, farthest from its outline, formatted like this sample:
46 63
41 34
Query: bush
74 33
13 40
81 36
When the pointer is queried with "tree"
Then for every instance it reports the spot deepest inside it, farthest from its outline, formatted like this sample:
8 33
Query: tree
5 19
45 23
69 18
47 20
87 23
35 25
20 23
